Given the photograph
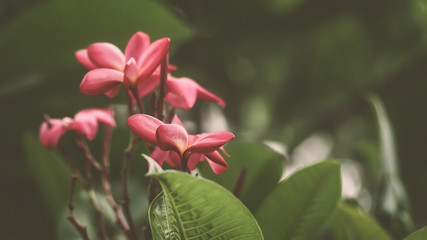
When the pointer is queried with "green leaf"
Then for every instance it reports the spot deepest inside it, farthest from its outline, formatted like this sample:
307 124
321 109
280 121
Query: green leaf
51 174
299 205
264 167
348 223
195 208
153 166
394 200
418 235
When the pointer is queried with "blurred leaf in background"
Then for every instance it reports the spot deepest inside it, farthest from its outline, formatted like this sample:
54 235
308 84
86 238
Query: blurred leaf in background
288 70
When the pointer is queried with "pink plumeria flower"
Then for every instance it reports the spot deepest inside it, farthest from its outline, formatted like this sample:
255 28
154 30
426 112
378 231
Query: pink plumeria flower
110 68
85 122
183 92
177 147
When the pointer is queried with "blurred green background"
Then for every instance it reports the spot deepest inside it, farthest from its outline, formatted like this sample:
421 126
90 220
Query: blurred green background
289 70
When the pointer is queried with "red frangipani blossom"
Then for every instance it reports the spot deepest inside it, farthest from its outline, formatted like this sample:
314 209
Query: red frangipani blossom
85 122
177 147
110 68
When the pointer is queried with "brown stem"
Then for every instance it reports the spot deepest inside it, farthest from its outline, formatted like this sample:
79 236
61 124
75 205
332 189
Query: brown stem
163 78
154 189
238 184
73 165
130 103
125 183
121 222
81 228
154 104
146 231
108 131
170 115
102 232
139 102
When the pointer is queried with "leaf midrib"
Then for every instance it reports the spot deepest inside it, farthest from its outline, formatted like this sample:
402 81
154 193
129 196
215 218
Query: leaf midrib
168 194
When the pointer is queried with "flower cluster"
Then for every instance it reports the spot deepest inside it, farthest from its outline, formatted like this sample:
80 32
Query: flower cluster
140 70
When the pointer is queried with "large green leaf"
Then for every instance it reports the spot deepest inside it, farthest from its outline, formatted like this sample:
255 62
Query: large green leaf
195 208
51 174
264 167
348 223
418 235
300 204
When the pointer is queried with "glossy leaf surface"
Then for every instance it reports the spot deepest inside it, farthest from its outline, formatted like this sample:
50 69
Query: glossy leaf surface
195 208
350 223
264 167
418 235
300 204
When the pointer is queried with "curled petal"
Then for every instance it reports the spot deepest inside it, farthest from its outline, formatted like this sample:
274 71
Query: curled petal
51 132
194 160
131 73
152 57
205 95
209 142
88 127
83 58
112 92
147 85
172 137
171 157
145 127
223 151
172 68
175 120
216 162
101 80
99 115
136 46
182 93
106 55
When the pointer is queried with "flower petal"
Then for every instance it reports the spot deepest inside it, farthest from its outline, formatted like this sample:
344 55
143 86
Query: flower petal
147 86
171 157
175 120
131 73
172 137
182 93
112 92
100 115
136 46
100 80
194 160
106 55
51 132
89 127
83 58
172 68
159 155
145 127
205 95
216 162
152 57
209 142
